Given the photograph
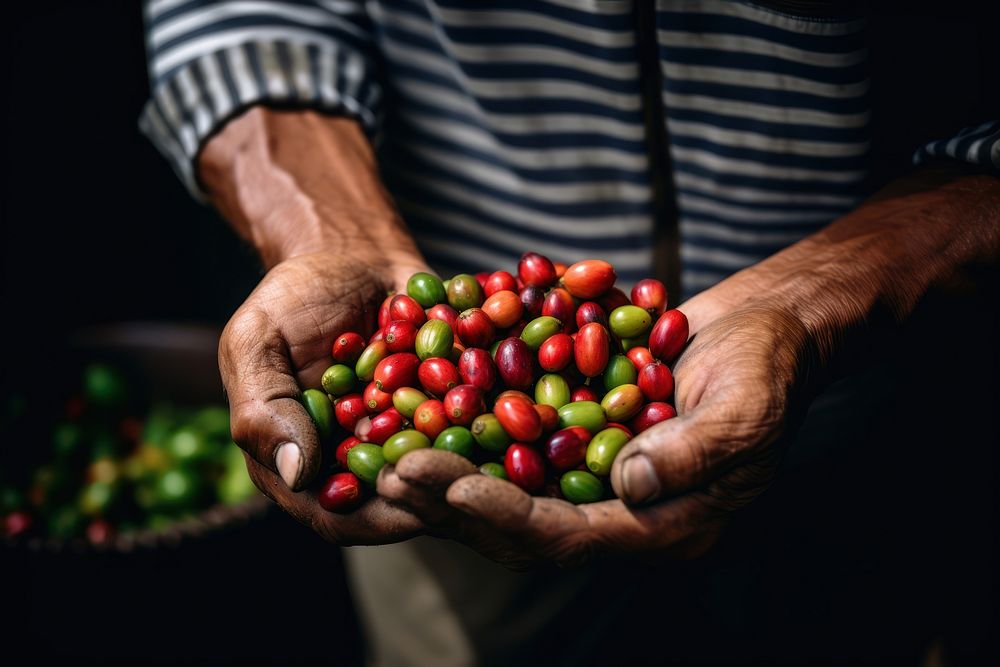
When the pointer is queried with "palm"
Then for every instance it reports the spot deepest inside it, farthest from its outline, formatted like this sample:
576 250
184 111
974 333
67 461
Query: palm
733 383
277 344
313 298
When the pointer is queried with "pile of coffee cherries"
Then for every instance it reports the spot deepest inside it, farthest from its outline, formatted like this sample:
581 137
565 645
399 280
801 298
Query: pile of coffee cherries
539 379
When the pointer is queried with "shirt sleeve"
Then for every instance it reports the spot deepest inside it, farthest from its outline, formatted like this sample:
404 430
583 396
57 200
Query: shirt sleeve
978 145
211 59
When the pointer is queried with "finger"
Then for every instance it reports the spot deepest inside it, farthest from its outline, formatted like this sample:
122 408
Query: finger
546 527
266 418
502 504
493 517
446 521
434 468
536 520
419 480
377 521
687 452
430 476
421 500
572 535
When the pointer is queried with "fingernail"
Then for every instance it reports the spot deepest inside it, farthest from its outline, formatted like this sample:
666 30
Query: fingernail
639 479
288 460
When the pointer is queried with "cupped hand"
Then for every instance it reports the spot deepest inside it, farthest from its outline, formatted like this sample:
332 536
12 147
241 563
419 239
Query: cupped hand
738 384
277 344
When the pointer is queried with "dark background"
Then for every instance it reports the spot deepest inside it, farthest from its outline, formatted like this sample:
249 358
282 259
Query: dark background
97 229
832 563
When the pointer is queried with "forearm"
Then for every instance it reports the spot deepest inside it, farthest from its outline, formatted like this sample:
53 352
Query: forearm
297 182
928 231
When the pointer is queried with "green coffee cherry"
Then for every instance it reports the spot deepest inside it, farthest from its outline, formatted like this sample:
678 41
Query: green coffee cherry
434 339
104 385
629 321
97 497
638 341
400 443
339 380
622 402
537 330
365 460
188 444
603 449
407 399
426 289
620 370
488 432
579 486
320 409
493 470
552 389
587 414
456 439
464 292
370 356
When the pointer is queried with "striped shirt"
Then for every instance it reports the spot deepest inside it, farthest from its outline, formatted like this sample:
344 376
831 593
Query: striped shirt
511 125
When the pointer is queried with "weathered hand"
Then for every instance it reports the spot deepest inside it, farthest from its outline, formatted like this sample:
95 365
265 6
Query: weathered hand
278 342
303 188
765 339
735 386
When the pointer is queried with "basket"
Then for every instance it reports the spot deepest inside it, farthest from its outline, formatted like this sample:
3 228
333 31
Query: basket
179 364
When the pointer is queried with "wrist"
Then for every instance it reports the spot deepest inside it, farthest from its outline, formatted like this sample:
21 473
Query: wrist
858 279
297 183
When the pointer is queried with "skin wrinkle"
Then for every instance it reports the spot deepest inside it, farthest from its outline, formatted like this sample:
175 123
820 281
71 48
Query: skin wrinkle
434 513
743 484
308 343
268 172
260 381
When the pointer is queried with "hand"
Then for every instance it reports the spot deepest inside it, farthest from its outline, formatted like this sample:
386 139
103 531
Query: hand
765 339
278 342
303 188
736 387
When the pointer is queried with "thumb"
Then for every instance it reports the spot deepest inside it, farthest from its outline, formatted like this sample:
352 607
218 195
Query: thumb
688 452
267 419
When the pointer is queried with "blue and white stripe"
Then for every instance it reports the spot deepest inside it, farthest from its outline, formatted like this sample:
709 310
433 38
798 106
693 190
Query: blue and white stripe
978 145
518 124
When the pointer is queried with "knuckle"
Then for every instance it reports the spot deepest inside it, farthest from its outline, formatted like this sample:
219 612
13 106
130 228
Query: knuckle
244 420
698 460
744 483
245 327
685 457
735 426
